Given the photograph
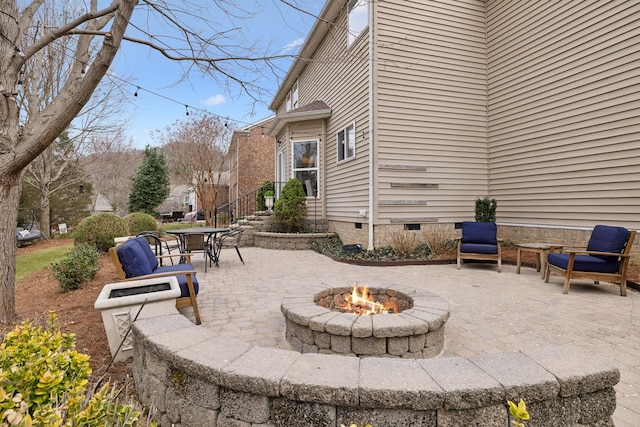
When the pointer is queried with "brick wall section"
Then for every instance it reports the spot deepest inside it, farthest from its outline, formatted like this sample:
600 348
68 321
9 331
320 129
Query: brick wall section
252 160
189 377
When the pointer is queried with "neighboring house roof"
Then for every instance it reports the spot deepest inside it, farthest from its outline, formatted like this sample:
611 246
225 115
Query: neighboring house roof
312 111
102 204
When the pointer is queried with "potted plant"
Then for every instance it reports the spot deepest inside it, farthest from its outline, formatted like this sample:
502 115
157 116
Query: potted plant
269 195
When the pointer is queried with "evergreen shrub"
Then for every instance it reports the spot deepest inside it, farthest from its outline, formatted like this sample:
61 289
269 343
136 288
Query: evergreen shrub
139 222
79 267
290 209
100 230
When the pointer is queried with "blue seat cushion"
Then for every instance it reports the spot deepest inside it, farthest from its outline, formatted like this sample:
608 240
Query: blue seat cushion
182 278
480 232
134 260
606 238
478 248
589 263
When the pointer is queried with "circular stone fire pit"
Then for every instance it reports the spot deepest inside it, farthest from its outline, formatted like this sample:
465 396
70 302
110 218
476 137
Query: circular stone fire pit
416 331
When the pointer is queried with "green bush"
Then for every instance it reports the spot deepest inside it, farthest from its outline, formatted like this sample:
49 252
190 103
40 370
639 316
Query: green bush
139 222
79 267
266 186
44 380
486 209
100 230
291 208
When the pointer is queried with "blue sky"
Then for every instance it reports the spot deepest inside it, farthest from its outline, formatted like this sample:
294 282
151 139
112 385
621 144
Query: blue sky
163 93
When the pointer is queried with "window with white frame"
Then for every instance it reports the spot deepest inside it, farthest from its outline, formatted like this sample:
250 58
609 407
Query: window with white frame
358 19
346 143
294 96
291 102
305 165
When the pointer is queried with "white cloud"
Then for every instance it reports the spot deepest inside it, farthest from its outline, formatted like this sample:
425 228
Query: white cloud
293 45
215 100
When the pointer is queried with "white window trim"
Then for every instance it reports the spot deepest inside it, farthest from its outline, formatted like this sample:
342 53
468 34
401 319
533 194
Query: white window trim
316 168
345 130
294 96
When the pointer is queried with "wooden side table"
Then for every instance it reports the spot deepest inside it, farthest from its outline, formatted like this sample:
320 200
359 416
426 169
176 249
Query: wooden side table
541 250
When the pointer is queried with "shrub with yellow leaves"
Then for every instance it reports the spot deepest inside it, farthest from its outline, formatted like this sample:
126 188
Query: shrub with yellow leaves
43 382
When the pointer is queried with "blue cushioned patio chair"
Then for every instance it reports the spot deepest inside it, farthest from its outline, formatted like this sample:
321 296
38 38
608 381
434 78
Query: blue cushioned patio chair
606 258
135 260
479 241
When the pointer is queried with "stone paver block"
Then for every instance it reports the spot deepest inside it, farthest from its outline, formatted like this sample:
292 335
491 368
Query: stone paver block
293 301
520 375
209 357
417 343
323 379
597 406
259 370
362 327
419 326
318 322
466 385
303 333
370 346
434 320
285 412
322 340
340 344
387 417
341 325
576 371
397 346
247 407
491 416
397 383
390 325
302 314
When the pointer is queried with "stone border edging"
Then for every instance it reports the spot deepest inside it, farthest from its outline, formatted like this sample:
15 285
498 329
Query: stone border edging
287 241
191 376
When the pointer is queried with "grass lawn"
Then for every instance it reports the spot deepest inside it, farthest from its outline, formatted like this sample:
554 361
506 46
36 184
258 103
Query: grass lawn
31 262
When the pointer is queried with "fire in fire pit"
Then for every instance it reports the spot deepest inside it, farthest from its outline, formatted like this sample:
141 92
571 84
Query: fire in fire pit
361 302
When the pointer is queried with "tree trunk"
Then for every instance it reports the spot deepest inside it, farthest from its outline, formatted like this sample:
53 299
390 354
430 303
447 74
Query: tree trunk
45 212
9 202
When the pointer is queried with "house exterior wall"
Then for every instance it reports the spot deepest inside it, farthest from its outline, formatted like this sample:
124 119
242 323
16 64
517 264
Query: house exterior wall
564 116
430 110
532 103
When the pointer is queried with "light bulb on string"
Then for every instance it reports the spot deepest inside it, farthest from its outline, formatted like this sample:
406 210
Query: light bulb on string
186 107
136 92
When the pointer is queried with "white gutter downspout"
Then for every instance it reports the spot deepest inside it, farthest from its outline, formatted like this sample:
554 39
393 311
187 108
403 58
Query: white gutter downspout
371 134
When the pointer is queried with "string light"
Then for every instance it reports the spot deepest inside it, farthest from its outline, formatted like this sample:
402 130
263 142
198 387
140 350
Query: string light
85 67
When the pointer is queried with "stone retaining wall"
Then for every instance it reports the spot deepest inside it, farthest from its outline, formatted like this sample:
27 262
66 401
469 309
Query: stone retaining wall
287 241
190 377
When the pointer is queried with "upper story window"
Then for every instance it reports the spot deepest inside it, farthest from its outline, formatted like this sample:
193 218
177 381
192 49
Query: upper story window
291 102
294 96
358 19
347 143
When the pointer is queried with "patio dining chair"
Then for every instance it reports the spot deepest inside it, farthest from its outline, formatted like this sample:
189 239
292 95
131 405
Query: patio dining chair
230 239
606 258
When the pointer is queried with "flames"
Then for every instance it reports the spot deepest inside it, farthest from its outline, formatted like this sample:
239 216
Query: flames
360 302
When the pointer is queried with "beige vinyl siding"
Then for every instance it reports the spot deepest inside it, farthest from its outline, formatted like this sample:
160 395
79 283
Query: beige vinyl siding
564 110
337 75
431 109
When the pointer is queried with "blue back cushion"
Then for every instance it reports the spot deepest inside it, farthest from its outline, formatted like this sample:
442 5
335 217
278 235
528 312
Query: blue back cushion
605 238
480 232
146 248
134 259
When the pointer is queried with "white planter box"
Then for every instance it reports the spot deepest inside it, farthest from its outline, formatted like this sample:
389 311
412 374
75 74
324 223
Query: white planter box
120 303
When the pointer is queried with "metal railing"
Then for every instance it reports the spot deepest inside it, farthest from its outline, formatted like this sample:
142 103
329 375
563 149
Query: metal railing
242 207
